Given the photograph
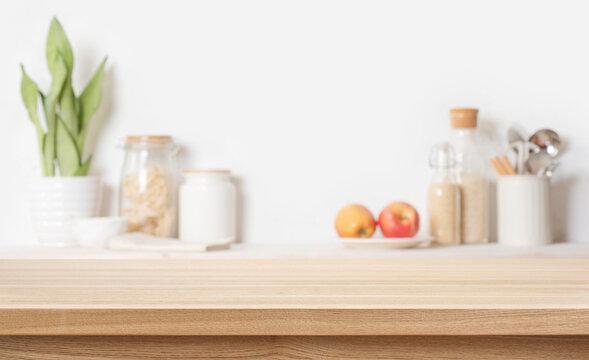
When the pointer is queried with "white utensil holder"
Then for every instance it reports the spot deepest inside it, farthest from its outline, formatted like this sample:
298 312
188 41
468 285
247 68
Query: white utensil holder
523 210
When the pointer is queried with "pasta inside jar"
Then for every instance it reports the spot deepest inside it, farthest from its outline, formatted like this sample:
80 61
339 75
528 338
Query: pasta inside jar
148 190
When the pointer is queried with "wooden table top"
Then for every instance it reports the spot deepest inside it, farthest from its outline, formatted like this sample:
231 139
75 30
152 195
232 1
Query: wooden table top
295 297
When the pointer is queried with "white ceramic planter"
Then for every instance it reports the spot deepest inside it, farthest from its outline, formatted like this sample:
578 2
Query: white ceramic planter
55 201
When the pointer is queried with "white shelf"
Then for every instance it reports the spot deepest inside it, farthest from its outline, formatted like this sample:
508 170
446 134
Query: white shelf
333 250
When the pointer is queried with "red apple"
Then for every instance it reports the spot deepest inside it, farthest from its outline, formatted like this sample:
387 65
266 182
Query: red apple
399 220
355 221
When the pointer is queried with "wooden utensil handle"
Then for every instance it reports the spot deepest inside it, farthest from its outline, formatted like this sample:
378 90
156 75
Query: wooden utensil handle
507 165
496 164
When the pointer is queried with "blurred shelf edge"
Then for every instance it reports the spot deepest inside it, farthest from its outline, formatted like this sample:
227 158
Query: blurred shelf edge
304 249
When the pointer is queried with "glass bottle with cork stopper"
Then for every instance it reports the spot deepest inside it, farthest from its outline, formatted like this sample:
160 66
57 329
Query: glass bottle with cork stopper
470 174
444 196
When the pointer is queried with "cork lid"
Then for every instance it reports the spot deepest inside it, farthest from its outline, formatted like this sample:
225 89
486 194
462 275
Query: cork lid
148 139
463 118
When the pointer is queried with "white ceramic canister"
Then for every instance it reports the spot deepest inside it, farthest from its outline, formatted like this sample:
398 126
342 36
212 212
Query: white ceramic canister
207 207
523 210
55 201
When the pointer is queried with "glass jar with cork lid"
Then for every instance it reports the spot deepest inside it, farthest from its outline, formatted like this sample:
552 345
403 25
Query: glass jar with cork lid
444 196
471 175
148 187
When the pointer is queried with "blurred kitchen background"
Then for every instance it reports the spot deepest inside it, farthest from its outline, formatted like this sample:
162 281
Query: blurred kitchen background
312 104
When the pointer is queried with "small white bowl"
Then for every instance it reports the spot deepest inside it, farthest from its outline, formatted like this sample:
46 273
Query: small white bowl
94 232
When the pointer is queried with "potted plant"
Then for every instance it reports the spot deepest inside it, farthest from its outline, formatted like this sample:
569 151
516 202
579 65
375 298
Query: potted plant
65 191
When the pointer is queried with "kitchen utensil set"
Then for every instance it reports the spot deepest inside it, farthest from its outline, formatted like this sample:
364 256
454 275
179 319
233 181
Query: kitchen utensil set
523 201
535 156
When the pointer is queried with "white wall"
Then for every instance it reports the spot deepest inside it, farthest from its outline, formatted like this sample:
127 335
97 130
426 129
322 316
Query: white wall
312 104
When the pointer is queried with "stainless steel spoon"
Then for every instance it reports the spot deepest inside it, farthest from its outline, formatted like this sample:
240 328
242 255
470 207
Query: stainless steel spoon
514 134
550 147
548 170
547 139
524 151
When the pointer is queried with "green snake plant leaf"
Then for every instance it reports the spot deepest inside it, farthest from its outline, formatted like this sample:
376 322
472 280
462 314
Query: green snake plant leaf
77 107
58 44
47 161
67 107
49 105
30 93
42 152
83 170
68 157
88 103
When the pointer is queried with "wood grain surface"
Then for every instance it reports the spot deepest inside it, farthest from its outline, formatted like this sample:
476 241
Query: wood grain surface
292 347
295 297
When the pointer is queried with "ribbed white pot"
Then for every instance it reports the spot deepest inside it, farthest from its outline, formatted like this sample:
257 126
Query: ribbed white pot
55 201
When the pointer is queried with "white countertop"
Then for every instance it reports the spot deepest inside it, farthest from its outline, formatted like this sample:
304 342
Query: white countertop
333 250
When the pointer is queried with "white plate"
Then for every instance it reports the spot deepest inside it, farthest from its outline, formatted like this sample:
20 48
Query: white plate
387 243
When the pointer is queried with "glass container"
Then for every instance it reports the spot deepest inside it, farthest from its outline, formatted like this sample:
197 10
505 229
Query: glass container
444 196
148 187
471 169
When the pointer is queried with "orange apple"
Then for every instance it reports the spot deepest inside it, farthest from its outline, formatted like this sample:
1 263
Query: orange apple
355 221
398 220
